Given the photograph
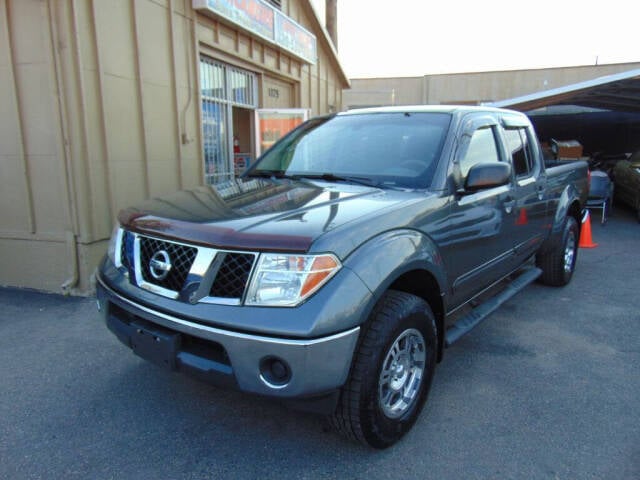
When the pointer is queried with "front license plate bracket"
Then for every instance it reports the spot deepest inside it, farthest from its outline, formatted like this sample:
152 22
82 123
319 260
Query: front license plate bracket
156 345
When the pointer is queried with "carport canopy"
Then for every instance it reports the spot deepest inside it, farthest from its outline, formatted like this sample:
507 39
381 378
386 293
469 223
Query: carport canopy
618 92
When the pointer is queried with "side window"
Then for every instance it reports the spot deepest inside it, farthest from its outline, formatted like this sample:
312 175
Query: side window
517 151
482 148
519 147
529 147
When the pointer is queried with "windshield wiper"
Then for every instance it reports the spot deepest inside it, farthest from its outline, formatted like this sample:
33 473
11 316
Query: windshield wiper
330 177
327 177
268 174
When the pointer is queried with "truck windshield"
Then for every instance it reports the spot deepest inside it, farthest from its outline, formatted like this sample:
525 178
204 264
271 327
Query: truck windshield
383 149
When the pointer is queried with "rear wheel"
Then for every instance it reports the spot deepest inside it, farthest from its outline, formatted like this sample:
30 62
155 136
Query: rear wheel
391 374
559 262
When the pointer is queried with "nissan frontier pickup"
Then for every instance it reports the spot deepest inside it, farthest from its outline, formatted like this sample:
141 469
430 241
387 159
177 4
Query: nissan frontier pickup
334 273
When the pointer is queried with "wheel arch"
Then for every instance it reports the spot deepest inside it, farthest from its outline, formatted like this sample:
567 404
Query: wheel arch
407 261
568 206
575 211
423 284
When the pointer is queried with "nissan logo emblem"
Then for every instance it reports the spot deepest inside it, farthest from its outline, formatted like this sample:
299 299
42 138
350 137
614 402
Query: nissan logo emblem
160 265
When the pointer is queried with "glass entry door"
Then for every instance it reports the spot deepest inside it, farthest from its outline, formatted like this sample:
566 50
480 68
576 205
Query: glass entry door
273 124
225 91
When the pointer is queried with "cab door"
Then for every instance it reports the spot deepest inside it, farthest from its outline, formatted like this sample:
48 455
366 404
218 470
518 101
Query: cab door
530 217
478 249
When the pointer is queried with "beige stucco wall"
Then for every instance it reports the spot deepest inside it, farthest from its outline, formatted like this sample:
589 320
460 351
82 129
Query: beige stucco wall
470 88
101 109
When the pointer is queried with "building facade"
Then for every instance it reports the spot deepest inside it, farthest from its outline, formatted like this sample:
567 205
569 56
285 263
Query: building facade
469 88
108 103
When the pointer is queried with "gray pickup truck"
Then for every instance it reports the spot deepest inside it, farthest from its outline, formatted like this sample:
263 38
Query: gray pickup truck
334 273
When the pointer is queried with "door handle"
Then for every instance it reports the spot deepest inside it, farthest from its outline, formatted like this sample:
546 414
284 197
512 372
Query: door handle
508 204
540 190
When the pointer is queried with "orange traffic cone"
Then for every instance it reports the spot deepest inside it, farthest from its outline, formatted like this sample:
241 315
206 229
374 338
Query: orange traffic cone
522 218
585 233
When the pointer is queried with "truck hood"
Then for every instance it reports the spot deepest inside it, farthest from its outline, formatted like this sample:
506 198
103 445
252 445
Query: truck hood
258 214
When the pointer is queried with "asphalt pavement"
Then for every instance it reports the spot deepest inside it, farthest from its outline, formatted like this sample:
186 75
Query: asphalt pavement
547 388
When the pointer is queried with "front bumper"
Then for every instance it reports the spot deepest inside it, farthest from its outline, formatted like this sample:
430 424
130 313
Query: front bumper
312 367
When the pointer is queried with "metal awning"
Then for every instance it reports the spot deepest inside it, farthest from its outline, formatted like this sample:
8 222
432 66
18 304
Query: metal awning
619 92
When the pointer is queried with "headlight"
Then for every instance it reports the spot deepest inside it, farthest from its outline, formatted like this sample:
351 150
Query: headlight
114 243
286 280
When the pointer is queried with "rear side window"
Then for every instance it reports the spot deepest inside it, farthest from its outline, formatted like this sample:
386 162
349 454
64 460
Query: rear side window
519 148
482 148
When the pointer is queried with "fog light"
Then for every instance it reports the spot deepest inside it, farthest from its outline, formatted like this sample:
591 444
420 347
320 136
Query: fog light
275 372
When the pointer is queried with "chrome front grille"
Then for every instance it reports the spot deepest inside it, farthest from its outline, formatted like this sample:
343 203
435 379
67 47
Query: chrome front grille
233 275
124 256
185 272
180 257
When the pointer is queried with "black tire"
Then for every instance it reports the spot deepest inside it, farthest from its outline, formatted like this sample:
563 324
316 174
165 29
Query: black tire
559 262
366 412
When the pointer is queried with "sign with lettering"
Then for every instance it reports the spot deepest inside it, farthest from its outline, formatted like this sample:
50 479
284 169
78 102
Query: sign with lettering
294 38
253 15
260 18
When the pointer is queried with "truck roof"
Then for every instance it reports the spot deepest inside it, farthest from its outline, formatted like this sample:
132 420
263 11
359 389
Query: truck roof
428 109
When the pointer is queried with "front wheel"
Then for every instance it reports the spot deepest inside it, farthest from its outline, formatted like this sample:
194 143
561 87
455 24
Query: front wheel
392 372
559 262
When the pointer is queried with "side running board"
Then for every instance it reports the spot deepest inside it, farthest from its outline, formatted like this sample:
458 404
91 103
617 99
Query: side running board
465 324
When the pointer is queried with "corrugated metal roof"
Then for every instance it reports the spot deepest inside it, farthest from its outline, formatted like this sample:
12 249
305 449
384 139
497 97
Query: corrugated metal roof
617 92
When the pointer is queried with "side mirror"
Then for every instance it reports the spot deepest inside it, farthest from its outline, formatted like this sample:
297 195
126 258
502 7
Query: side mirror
487 175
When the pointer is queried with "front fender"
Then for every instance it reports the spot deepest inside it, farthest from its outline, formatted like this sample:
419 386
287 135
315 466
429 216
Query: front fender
383 259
